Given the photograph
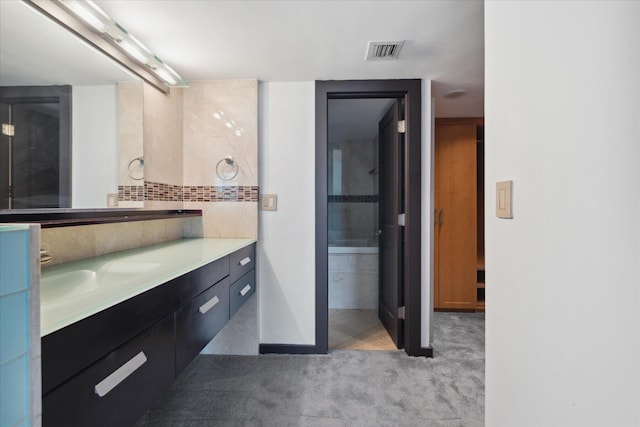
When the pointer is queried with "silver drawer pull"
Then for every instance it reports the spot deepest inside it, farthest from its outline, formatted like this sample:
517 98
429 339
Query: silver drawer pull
245 261
120 374
209 305
244 290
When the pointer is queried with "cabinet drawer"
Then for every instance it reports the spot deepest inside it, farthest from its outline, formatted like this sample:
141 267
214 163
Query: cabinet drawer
117 389
242 261
68 351
196 281
199 321
241 291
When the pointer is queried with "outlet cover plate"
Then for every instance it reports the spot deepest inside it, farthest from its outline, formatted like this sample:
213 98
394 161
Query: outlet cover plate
112 200
269 202
503 199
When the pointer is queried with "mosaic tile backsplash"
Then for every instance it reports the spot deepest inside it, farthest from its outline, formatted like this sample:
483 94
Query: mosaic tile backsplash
130 193
156 191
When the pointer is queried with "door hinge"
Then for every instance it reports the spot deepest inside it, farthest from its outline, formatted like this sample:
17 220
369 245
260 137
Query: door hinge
402 312
401 126
8 130
401 220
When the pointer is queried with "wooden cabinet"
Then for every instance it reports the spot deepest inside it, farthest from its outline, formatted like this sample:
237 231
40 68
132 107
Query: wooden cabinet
241 291
242 276
73 348
118 388
456 224
241 262
199 321
107 369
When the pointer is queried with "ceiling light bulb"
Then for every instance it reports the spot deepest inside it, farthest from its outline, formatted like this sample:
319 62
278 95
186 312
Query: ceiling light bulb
86 16
166 77
133 51
136 41
171 71
97 9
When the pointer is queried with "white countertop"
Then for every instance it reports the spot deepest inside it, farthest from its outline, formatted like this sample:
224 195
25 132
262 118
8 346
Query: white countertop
73 291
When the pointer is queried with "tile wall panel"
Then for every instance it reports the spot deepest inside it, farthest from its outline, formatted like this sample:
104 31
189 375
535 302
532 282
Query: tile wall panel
14 325
19 326
14 389
14 269
220 120
67 244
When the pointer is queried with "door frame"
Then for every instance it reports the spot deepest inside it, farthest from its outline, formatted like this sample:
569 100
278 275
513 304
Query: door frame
411 91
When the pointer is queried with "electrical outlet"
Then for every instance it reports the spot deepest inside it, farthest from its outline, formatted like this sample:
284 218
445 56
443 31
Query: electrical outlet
112 200
269 202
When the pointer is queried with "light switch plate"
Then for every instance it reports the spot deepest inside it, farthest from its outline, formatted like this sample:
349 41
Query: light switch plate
269 202
503 200
112 200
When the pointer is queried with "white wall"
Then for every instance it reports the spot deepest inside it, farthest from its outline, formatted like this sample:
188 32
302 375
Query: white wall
94 145
286 237
426 243
562 115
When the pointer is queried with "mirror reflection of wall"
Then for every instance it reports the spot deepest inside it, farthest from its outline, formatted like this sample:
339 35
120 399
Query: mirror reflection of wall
52 56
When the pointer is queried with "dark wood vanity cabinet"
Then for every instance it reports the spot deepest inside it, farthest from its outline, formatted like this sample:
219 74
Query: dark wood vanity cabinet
241 262
107 369
73 348
117 389
199 321
241 291
243 278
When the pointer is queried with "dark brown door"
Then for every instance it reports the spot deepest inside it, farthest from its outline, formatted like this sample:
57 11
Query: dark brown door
391 172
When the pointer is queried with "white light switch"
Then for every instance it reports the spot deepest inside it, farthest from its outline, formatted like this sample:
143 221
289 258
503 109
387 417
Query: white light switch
269 202
112 200
503 200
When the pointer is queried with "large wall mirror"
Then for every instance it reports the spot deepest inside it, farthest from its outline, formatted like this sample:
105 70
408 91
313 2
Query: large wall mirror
60 111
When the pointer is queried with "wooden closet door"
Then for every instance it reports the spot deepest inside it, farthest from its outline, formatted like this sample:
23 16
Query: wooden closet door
456 217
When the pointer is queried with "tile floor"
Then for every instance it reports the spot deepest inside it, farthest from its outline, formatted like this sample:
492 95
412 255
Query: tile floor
357 329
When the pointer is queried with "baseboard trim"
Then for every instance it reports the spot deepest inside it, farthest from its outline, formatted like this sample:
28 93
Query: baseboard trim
454 310
287 349
424 352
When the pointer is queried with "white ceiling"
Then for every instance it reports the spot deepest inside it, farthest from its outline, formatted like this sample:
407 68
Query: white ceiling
34 50
273 41
317 40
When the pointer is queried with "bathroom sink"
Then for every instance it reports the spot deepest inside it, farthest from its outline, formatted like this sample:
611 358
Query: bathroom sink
129 267
67 285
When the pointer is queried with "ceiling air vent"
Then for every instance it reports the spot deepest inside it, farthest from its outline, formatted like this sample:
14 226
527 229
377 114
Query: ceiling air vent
384 50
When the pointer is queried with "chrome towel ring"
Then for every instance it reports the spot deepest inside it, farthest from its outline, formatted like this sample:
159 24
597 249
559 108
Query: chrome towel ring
141 168
227 169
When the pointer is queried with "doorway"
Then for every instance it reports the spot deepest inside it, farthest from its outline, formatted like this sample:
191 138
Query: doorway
35 147
459 221
357 130
403 303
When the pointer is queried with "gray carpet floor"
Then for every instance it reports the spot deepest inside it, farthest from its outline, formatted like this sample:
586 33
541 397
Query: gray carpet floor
343 388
